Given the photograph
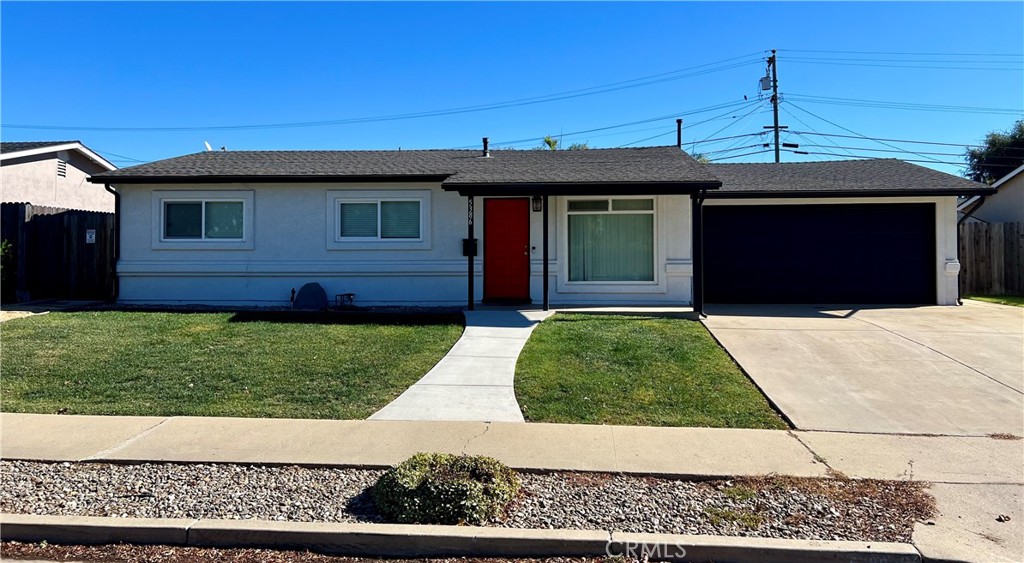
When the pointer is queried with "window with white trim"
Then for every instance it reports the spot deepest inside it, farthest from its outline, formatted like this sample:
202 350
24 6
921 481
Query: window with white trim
203 219
210 219
378 219
383 219
611 240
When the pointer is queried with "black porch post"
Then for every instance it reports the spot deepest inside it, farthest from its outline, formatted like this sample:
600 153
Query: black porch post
697 208
544 252
470 251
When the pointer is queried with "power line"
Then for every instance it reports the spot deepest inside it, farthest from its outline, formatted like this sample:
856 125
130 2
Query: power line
732 105
852 131
936 67
930 61
759 106
902 105
648 138
720 139
678 74
932 161
905 53
804 123
884 150
739 155
735 148
120 157
891 140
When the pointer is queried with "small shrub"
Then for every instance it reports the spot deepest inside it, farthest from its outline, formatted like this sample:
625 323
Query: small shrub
434 488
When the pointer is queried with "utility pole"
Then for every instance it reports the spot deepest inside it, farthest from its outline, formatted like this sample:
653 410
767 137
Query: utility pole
774 64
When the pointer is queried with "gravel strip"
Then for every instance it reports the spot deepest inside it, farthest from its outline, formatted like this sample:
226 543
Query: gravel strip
780 507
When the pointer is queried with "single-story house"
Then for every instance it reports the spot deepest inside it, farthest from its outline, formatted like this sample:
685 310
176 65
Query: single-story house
53 174
1005 206
600 226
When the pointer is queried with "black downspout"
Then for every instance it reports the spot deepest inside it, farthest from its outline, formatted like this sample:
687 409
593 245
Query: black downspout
117 236
470 252
544 252
967 215
697 209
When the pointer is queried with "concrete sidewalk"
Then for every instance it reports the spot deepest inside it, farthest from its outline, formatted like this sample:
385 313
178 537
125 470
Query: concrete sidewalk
474 381
975 479
693 452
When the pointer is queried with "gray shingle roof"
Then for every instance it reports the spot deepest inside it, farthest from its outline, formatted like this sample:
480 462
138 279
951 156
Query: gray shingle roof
458 167
18 146
856 177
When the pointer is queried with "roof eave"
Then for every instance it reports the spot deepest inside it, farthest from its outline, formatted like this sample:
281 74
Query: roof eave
763 194
579 188
264 179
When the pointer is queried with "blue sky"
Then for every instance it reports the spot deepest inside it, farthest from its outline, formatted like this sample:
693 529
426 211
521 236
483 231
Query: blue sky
200 65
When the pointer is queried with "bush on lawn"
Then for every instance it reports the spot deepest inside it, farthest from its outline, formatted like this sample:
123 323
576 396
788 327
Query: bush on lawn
434 488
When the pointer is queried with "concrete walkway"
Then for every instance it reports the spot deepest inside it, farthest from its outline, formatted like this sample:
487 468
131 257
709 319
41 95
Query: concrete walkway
474 381
975 479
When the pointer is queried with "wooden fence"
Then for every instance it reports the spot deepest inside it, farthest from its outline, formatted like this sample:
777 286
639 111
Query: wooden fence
991 258
57 253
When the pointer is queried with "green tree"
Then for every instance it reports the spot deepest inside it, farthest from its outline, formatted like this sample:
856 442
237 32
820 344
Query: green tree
1001 154
553 144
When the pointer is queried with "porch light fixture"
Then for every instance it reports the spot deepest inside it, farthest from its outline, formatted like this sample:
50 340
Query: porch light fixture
538 203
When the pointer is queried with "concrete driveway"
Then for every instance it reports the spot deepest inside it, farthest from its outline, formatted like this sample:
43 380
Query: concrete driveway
904 370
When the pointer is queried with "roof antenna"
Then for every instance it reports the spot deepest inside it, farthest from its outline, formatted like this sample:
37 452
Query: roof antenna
208 147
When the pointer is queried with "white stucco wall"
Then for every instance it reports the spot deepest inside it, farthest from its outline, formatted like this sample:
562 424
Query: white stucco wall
290 247
1007 205
946 262
34 180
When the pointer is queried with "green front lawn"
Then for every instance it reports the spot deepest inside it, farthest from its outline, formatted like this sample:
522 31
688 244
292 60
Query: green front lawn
203 364
1014 300
606 369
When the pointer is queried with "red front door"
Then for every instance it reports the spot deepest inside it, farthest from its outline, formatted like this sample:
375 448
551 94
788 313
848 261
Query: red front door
507 250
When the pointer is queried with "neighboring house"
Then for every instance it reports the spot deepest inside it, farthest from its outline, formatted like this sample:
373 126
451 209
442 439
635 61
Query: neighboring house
53 174
623 226
1005 206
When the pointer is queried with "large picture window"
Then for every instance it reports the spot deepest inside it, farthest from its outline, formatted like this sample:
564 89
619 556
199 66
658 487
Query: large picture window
611 240
379 220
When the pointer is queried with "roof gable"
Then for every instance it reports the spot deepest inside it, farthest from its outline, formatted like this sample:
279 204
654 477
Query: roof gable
19 149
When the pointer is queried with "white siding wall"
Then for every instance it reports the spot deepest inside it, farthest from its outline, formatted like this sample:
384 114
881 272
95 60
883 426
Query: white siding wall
290 248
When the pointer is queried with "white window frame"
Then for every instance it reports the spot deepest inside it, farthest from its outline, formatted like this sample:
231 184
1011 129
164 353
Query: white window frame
337 197
654 238
163 197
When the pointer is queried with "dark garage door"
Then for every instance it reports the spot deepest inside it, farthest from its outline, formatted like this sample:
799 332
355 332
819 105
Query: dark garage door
864 253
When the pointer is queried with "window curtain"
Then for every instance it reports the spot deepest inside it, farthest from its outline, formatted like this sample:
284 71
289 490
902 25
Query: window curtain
611 247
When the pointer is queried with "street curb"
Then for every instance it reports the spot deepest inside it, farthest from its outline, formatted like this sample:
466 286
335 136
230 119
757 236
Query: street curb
411 540
763 550
94 529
